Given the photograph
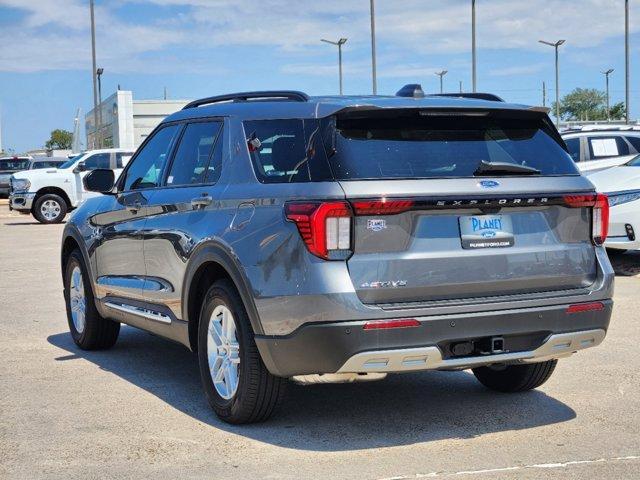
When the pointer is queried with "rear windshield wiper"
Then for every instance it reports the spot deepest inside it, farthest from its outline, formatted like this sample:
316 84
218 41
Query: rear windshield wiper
504 167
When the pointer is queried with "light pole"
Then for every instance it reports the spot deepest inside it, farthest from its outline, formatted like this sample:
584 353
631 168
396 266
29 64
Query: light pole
441 74
473 45
626 61
93 75
99 73
606 74
339 44
556 45
373 48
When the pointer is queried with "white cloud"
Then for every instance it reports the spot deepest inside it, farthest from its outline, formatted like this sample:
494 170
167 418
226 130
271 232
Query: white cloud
55 33
517 70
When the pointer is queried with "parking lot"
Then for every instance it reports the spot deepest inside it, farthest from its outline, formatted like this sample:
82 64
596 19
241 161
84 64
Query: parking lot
138 409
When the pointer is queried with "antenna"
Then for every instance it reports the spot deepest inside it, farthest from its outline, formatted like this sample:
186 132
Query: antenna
1 149
75 144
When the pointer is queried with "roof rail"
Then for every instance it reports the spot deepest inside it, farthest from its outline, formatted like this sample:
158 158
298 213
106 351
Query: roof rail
476 95
244 96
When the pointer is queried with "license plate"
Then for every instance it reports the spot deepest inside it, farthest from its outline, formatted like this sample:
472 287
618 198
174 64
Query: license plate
486 231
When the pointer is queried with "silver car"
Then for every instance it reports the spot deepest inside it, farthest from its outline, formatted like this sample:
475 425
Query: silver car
338 238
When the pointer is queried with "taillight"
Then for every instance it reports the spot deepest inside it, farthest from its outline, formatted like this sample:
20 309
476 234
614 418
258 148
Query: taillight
600 217
325 227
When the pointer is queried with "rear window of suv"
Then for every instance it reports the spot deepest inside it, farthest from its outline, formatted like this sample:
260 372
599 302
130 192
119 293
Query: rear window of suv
412 144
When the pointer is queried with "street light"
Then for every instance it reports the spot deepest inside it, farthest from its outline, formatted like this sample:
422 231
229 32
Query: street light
93 74
441 74
606 74
373 47
556 45
473 45
339 44
626 60
99 72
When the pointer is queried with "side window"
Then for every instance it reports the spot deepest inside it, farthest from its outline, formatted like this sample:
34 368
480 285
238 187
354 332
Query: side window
191 161
573 144
148 166
603 147
287 150
99 160
122 158
635 142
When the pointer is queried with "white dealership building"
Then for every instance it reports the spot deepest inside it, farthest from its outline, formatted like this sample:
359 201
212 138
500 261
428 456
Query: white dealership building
124 122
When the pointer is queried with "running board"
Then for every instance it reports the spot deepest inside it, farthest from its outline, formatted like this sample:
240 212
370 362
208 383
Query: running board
140 312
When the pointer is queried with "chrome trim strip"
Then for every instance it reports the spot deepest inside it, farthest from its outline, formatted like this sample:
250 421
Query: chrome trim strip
140 312
430 358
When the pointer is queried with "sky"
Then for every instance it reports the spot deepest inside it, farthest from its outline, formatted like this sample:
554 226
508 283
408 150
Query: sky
198 48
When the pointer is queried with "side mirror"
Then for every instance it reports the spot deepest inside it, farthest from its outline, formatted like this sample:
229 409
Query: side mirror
100 180
81 167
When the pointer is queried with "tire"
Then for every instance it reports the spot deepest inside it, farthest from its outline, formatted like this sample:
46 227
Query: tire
515 378
89 330
253 393
50 208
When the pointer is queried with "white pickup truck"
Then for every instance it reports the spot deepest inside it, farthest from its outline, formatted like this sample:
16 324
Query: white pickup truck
48 194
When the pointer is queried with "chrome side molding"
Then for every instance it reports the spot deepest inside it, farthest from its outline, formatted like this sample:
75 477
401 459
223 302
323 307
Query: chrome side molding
140 312
430 358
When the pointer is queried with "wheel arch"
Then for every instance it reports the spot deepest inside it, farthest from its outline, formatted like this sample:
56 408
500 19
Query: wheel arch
209 263
55 191
72 240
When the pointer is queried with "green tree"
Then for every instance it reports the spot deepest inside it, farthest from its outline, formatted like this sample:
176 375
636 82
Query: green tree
60 139
583 104
617 111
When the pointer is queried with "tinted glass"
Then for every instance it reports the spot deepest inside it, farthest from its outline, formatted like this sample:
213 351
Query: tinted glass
14 164
99 160
38 165
412 144
71 161
603 147
148 165
191 161
573 145
634 162
635 142
286 150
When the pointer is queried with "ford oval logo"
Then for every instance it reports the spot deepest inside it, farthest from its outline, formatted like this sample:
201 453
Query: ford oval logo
488 184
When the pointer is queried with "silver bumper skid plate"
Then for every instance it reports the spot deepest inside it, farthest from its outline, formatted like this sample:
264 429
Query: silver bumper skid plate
430 358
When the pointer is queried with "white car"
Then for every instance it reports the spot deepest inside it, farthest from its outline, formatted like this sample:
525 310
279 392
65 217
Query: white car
597 147
622 186
49 194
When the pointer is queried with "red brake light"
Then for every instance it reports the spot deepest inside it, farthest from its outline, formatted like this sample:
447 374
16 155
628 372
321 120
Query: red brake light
585 307
382 207
325 227
395 323
600 219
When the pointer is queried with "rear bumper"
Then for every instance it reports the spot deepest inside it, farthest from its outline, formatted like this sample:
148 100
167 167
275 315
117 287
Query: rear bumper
530 335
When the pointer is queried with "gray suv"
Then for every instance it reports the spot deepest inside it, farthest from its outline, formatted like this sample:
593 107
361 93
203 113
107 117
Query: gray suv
339 238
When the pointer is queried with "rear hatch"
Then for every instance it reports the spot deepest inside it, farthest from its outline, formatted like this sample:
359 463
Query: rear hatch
461 204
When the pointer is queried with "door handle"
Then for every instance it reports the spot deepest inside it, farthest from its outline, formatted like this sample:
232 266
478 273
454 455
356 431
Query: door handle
203 201
135 207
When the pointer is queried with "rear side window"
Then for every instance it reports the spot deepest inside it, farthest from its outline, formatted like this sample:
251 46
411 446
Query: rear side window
191 162
287 151
122 158
573 145
409 144
149 164
635 142
603 147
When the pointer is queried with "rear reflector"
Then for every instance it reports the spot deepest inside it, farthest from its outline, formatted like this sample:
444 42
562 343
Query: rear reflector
325 227
585 307
396 323
382 206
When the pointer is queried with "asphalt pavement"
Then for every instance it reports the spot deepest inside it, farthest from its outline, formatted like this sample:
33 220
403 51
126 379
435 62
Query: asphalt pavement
137 410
